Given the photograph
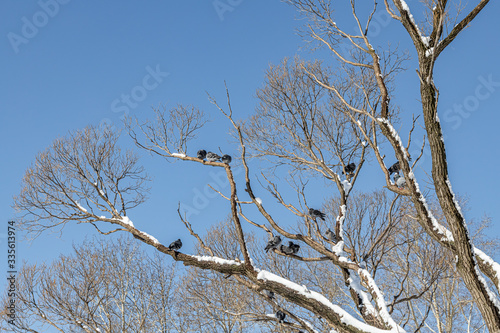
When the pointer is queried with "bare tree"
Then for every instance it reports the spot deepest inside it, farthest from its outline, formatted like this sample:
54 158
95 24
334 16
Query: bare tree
326 122
102 287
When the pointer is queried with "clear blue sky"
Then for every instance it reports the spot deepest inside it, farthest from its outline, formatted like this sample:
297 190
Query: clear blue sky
75 67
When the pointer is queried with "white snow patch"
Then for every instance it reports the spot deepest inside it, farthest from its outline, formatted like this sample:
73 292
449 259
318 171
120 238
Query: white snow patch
429 52
489 261
127 221
154 240
346 185
345 317
259 201
446 234
340 220
218 260
355 283
405 7
493 298
178 155
363 143
425 40
457 205
395 135
80 207
381 305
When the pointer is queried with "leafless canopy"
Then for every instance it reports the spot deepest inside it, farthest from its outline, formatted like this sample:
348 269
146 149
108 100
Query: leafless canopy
391 252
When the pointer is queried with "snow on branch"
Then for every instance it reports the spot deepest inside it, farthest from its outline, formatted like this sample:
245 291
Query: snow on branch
345 317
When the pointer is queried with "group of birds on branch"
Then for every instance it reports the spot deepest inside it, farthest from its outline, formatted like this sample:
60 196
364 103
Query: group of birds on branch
213 157
292 248
399 180
210 157
275 243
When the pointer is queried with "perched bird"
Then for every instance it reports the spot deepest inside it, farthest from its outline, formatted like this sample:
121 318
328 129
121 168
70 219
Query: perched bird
202 153
269 293
294 247
175 245
316 213
349 168
212 157
286 249
273 243
226 159
281 316
394 168
331 236
400 181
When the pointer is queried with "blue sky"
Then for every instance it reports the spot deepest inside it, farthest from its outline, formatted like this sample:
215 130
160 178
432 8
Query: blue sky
77 67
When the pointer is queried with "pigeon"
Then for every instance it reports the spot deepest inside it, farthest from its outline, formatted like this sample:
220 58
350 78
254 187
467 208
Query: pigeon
394 168
226 159
294 247
349 168
281 316
331 236
273 243
212 157
286 249
202 153
316 213
175 245
400 181
269 293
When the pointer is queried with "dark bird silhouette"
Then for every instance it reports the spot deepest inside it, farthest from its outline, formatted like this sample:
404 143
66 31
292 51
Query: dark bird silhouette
394 168
286 249
331 236
316 213
226 159
273 243
400 181
349 168
294 247
202 153
175 245
212 157
269 293
281 316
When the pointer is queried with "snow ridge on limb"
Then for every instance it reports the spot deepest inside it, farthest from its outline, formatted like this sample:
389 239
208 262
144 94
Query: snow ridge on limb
487 264
343 316
441 232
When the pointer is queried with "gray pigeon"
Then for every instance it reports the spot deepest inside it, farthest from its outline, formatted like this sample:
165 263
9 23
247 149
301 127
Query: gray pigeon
269 293
394 168
294 247
316 213
273 243
212 157
349 168
286 249
290 249
331 236
202 153
175 245
400 181
226 159
281 316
